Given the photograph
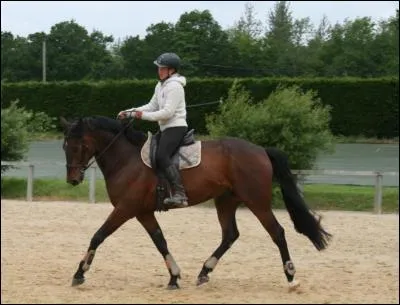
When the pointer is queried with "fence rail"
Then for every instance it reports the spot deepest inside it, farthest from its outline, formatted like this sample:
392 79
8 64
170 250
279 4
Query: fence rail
299 173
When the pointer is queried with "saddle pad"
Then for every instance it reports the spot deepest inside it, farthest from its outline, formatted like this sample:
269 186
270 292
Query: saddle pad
189 156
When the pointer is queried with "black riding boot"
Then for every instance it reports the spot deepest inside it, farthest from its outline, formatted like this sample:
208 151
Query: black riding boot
179 199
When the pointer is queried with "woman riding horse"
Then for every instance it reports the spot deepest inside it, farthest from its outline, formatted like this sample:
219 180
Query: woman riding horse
168 107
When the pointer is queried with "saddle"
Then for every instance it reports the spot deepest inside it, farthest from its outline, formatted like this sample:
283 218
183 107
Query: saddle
187 155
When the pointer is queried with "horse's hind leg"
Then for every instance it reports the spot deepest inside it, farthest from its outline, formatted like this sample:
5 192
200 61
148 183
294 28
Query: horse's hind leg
255 191
226 208
277 233
114 221
150 223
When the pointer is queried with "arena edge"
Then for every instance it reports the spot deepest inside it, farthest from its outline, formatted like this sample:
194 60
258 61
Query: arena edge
360 107
317 196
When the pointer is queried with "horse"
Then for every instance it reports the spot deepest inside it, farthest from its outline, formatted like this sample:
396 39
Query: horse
232 171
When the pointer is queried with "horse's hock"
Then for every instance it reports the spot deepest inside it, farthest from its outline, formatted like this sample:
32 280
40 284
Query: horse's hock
41 242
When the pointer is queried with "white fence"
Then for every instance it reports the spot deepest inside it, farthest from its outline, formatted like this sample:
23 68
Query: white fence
300 173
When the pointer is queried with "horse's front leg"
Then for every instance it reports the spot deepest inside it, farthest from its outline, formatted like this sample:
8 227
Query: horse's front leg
117 217
152 227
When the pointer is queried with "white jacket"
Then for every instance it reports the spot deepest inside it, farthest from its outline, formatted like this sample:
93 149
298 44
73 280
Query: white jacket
167 106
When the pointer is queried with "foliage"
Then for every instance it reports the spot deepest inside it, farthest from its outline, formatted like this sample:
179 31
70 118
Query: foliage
17 126
281 46
289 119
360 107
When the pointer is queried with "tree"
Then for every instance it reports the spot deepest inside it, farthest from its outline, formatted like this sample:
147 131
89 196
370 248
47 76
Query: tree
289 47
299 58
115 69
244 37
7 50
67 47
322 32
348 50
358 39
385 47
286 42
315 45
73 54
136 61
101 61
15 58
35 55
160 38
302 29
331 50
279 36
249 24
202 44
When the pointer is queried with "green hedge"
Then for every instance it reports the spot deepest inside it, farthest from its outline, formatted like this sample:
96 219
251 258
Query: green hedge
366 107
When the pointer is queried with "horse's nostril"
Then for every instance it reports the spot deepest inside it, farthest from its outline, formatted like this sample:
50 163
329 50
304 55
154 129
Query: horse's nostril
74 182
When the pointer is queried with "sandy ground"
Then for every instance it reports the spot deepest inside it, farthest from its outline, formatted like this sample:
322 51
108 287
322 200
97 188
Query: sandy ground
43 242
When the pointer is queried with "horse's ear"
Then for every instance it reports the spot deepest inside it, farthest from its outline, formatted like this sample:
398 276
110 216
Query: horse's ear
64 123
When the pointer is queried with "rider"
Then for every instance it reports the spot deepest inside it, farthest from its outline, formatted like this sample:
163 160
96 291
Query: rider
168 107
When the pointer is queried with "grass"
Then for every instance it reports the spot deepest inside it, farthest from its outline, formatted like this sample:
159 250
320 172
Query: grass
51 189
365 140
55 135
317 196
350 197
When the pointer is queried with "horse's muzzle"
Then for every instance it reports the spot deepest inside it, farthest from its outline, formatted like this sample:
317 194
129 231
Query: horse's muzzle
74 182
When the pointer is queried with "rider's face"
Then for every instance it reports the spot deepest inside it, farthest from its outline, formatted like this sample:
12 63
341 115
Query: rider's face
163 72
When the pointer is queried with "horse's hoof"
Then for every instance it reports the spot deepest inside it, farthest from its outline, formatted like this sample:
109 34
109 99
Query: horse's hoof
202 280
77 281
173 287
293 285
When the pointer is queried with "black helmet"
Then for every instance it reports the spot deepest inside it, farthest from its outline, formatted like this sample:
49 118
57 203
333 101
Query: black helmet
170 60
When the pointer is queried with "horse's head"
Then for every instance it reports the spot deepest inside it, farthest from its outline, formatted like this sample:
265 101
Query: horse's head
79 149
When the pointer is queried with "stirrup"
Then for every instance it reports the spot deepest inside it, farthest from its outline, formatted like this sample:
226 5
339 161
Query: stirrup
176 202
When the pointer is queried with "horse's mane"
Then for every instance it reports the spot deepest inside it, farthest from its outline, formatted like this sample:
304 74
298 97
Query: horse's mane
136 137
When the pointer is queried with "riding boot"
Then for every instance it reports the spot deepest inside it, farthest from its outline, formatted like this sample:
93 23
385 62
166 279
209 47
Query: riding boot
179 198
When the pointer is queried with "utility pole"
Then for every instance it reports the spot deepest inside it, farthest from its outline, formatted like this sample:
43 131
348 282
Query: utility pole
44 61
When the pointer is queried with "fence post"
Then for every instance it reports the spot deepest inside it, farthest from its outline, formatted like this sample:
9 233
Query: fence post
92 185
29 189
378 193
299 182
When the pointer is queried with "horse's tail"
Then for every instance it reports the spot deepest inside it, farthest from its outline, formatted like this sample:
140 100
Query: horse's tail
302 217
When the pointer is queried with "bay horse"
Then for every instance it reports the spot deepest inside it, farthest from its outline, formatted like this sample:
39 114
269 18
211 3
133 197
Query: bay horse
232 171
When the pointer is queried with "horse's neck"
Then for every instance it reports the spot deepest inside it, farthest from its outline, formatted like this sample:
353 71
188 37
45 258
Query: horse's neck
112 159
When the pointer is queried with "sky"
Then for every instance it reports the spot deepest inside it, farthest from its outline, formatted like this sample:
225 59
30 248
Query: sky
131 18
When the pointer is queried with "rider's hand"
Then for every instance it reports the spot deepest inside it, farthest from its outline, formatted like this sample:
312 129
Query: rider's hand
123 115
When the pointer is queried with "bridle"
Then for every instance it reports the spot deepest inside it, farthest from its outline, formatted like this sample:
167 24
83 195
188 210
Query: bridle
83 168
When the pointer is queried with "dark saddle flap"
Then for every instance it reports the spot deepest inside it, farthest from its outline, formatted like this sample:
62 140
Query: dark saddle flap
188 139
